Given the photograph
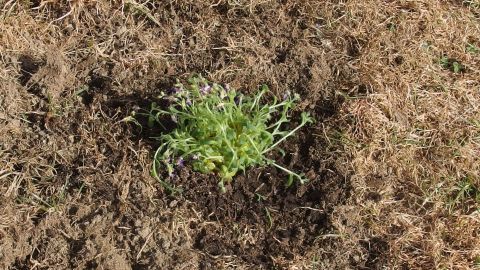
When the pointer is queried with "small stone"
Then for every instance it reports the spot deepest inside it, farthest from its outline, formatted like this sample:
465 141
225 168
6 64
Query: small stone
173 203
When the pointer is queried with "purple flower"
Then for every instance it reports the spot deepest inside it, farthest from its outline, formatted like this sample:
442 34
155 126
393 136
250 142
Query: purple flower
205 89
286 95
237 99
188 102
180 163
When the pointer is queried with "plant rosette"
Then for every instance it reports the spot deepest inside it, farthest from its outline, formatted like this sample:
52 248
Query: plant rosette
218 130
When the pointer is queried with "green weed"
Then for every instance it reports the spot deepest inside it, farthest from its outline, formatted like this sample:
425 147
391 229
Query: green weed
221 131
451 64
472 48
463 191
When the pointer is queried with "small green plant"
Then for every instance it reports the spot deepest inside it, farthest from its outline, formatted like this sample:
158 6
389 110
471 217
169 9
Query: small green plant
472 48
219 130
451 64
465 190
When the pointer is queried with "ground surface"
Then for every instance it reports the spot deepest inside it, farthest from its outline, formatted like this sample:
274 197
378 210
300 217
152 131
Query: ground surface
393 159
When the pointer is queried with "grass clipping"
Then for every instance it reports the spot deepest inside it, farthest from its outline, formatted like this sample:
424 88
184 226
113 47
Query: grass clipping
220 130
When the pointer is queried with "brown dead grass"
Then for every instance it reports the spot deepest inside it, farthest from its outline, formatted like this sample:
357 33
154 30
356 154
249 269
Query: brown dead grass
417 132
410 129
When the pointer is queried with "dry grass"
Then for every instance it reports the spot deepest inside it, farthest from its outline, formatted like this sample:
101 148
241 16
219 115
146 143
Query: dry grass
408 132
417 131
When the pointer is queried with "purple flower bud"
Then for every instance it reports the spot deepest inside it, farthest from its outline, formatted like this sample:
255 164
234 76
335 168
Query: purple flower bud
205 89
188 102
236 99
180 163
286 95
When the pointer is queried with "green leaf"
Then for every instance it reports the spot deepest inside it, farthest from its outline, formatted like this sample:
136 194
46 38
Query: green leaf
457 67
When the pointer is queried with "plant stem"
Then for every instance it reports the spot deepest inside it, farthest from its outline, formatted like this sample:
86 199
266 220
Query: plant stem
284 137
286 170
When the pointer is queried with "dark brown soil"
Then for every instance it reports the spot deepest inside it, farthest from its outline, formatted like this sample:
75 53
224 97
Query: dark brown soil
259 219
